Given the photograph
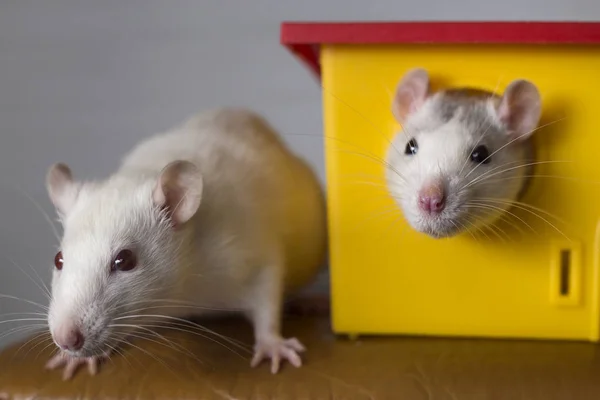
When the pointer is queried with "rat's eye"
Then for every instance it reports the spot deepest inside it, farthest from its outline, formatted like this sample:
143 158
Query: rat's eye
411 147
124 261
481 155
58 261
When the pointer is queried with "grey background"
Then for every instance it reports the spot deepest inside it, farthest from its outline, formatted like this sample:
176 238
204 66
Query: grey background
83 81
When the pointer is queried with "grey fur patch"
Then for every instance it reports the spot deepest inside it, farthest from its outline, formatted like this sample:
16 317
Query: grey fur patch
468 104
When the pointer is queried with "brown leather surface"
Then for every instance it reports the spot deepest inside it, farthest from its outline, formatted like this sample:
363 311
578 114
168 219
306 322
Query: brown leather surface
335 368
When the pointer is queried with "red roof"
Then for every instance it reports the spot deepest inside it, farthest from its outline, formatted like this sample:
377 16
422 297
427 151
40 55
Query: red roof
304 38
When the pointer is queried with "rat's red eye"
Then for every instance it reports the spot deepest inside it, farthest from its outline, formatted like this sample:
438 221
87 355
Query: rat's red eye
124 261
58 260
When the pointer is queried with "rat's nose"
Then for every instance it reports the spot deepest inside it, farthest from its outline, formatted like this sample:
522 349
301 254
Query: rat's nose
432 199
69 339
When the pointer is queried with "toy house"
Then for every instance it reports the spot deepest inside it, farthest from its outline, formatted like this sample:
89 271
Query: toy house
535 274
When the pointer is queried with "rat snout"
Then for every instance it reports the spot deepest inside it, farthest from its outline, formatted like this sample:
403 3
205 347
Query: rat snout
432 198
69 337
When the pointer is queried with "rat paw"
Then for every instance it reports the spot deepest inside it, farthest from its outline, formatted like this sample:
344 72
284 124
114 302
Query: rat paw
277 349
72 364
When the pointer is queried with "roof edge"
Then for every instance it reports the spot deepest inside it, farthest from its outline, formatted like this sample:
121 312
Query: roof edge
304 38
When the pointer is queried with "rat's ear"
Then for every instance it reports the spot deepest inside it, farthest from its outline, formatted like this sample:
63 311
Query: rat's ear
410 93
179 190
520 108
61 187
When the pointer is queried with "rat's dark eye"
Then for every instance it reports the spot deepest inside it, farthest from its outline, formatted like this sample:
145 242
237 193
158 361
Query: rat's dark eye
124 261
411 147
58 261
481 155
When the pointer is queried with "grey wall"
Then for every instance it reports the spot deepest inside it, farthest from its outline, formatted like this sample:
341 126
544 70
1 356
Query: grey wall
82 81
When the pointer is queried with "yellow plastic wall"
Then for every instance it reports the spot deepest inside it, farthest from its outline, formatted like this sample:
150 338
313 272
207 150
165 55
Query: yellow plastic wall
505 282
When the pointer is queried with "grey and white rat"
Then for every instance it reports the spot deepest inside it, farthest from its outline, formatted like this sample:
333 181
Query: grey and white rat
438 167
216 213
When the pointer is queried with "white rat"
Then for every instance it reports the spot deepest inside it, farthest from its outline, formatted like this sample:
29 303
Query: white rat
463 155
216 213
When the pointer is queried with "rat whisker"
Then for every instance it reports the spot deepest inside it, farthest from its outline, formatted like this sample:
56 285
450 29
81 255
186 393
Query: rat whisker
22 329
494 171
43 340
493 211
484 176
42 282
187 329
145 337
22 320
234 342
171 343
37 338
405 227
541 218
24 314
115 350
508 212
363 152
514 225
153 356
506 164
567 178
523 204
178 306
498 232
512 141
163 342
459 225
472 221
357 147
172 303
183 321
6 296
378 130
56 350
42 287
377 160
41 210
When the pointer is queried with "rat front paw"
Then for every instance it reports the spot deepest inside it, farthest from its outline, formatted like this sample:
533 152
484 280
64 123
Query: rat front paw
71 364
277 348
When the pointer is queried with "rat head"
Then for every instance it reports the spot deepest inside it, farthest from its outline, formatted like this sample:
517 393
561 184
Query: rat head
462 155
118 251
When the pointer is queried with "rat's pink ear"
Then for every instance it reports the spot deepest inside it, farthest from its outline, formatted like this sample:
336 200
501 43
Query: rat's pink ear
61 187
179 190
410 93
520 108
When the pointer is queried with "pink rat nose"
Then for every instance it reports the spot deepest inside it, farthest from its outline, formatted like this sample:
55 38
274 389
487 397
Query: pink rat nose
432 199
69 339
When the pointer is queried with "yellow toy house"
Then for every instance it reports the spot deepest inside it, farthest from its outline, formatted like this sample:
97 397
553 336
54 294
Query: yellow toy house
535 274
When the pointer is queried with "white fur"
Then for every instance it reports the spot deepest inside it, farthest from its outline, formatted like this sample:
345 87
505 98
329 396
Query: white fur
444 151
259 230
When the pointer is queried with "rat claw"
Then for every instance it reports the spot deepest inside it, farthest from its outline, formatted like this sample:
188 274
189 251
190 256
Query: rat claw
292 357
257 359
92 366
56 361
295 344
278 349
70 369
71 365
275 362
